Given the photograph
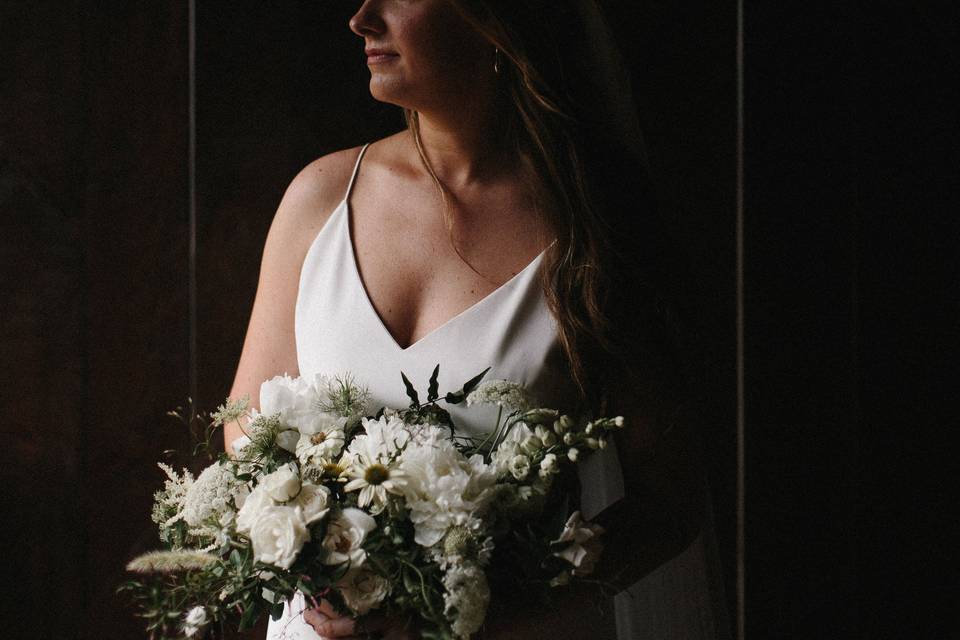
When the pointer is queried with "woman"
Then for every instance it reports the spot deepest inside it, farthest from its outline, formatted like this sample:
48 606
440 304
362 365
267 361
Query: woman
496 230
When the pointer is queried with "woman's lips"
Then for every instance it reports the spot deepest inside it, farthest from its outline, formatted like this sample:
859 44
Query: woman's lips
379 56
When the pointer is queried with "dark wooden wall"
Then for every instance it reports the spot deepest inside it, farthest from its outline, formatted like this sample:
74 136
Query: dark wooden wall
851 319
95 259
94 262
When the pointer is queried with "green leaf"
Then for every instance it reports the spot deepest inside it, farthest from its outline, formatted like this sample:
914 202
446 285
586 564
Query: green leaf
305 587
277 611
455 397
250 616
411 392
410 582
472 383
432 392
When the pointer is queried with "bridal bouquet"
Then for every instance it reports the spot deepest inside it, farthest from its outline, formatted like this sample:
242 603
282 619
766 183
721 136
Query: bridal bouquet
393 511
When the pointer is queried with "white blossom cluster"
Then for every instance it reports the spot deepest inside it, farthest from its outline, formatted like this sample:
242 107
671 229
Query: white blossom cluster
466 599
352 484
502 393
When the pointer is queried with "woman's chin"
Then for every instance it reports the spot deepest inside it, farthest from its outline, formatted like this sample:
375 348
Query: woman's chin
386 90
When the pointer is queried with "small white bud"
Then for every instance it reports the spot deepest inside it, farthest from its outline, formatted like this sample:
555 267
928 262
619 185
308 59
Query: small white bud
549 463
531 444
573 454
592 443
569 438
602 443
547 437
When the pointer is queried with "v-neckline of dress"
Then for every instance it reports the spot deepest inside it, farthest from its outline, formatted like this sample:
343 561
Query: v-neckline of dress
354 268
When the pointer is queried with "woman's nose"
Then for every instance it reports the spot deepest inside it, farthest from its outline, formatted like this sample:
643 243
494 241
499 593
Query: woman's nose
367 19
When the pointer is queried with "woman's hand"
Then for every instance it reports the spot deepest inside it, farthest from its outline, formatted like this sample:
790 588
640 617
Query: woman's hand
329 624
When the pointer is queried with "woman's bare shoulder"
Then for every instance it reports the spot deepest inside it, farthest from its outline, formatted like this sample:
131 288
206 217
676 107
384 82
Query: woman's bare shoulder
315 191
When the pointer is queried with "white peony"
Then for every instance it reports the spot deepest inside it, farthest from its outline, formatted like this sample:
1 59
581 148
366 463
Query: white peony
382 438
466 599
444 488
583 544
278 535
295 401
282 484
346 533
363 590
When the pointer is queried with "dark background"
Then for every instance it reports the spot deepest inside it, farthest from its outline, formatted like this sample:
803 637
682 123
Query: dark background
850 177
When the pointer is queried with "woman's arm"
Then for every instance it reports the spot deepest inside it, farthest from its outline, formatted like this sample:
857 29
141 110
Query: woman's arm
269 348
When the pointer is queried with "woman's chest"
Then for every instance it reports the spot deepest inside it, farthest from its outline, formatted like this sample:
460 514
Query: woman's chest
338 330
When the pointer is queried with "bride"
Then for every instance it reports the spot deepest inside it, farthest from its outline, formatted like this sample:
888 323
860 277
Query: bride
509 225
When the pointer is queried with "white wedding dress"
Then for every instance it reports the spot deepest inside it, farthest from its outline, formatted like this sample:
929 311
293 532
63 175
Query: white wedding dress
513 332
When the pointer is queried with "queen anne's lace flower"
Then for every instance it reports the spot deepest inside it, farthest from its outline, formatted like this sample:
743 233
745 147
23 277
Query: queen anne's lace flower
509 395
210 496
466 598
231 410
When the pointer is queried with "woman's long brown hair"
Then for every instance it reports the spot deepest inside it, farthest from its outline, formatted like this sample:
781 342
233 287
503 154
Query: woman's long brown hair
608 276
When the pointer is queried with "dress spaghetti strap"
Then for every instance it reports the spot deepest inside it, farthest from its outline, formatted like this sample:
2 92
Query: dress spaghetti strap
356 169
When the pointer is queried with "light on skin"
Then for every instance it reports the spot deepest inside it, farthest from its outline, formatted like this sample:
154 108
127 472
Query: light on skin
423 55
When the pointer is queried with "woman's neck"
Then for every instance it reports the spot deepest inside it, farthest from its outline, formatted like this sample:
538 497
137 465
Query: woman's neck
465 146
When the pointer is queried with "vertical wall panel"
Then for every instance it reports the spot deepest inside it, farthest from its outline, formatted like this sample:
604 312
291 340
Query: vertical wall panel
800 310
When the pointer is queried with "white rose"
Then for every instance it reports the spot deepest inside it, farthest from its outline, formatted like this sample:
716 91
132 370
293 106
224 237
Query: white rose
312 499
346 533
253 506
278 535
282 484
363 590
584 546
520 466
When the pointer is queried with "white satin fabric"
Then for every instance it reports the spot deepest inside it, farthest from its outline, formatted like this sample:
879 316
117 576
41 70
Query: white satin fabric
511 331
